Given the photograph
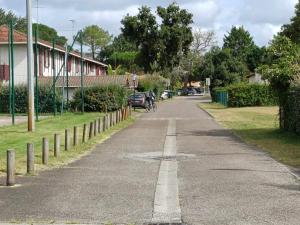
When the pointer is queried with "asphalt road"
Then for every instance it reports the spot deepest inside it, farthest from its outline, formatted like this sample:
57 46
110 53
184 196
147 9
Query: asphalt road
176 165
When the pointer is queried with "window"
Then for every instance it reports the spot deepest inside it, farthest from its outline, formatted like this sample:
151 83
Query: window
47 58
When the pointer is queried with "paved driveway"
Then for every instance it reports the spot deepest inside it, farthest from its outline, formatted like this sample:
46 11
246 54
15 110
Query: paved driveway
173 166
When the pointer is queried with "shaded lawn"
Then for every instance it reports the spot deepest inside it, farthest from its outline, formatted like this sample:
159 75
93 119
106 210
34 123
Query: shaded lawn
259 126
16 137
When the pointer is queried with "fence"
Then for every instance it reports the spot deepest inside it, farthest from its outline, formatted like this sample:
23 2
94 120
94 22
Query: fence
221 97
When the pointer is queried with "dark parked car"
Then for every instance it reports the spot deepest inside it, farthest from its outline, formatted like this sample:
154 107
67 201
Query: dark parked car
138 100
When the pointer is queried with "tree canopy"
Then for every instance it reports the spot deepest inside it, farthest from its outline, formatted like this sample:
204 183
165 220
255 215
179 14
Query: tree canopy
161 45
292 30
96 38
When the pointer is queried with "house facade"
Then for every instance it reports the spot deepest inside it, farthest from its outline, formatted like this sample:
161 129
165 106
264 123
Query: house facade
45 63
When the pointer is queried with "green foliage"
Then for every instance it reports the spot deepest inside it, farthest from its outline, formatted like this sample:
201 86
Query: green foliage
292 30
143 31
7 17
243 94
101 98
21 99
176 34
152 82
163 44
48 34
222 68
240 42
291 120
284 66
96 38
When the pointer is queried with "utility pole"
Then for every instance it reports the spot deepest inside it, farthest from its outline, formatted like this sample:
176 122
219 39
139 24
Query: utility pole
31 122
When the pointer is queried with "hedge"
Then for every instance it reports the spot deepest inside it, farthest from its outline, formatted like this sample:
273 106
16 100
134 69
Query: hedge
101 98
243 94
291 111
21 99
152 82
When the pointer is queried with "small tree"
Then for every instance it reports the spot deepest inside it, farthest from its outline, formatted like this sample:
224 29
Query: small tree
95 37
283 68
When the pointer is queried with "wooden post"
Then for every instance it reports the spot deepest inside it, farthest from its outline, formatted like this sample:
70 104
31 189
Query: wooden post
67 139
99 125
117 116
11 168
75 136
45 151
56 145
107 121
84 133
111 119
30 159
95 128
103 123
91 130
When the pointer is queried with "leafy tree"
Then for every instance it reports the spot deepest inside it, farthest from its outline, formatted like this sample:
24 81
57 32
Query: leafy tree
243 48
292 30
222 68
96 38
240 42
283 68
176 34
142 30
284 64
49 34
120 52
7 17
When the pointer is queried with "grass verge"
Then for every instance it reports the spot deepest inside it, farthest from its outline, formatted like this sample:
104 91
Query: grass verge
259 126
16 137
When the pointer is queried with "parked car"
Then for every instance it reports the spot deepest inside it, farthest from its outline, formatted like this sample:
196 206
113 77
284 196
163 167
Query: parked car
138 100
166 94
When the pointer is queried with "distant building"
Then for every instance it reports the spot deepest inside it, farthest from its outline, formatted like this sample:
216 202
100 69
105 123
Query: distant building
256 78
45 65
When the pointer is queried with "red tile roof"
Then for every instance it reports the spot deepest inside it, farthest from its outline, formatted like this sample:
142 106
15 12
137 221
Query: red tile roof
89 81
20 37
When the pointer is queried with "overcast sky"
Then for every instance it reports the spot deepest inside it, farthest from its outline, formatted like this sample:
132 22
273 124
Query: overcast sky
263 18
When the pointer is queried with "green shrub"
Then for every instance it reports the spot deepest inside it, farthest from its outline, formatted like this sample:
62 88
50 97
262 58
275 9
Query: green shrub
155 83
243 94
21 99
101 98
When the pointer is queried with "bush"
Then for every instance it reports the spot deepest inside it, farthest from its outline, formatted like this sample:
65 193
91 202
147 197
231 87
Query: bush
150 82
291 111
21 99
101 98
243 94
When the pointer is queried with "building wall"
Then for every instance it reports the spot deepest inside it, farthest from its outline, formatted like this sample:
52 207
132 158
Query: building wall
45 69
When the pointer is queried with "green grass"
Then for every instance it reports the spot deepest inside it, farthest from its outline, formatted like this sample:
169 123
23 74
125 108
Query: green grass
16 137
259 126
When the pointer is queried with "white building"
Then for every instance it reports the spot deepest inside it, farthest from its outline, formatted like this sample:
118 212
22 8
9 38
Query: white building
45 64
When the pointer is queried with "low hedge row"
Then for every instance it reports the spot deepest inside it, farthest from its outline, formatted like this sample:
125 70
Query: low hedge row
243 94
21 99
101 98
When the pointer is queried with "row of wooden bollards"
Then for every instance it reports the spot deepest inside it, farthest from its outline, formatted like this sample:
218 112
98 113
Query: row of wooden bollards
96 127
